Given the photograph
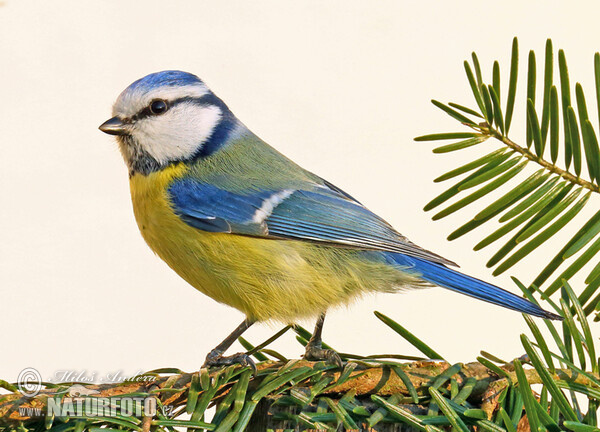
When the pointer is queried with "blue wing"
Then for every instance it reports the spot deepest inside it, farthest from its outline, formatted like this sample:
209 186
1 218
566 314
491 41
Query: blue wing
325 214
319 213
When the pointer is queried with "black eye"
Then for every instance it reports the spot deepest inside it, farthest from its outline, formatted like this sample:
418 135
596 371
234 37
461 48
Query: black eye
158 106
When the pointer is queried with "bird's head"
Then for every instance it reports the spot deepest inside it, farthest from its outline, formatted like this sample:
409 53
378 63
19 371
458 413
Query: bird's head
168 117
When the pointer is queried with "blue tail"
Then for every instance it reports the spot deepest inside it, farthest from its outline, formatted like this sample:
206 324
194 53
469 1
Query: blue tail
445 277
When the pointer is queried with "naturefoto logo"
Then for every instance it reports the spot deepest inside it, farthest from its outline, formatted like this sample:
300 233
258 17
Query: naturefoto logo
87 405
81 401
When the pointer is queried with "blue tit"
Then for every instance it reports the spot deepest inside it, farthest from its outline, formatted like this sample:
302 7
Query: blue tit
249 228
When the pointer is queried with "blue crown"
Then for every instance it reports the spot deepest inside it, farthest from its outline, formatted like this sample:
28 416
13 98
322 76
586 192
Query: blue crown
169 78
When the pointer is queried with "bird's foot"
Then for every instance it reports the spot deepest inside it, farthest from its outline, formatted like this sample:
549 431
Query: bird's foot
216 358
314 353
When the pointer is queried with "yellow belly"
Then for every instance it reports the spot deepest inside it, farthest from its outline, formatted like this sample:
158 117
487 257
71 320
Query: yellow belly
266 279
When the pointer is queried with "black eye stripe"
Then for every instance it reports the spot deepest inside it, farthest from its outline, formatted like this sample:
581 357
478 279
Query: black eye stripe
206 100
147 111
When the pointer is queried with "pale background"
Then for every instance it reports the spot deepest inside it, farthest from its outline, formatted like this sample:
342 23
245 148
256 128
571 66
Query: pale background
342 87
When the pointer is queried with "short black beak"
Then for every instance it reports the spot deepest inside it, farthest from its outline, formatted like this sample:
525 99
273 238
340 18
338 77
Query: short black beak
113 126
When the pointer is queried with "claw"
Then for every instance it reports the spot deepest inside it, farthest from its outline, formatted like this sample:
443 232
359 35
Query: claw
216 358
327 355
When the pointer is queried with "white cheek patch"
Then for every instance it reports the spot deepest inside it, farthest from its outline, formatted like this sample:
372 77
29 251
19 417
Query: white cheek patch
179 133
131 102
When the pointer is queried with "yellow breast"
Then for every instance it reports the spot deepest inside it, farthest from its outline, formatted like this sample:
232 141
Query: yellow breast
181 246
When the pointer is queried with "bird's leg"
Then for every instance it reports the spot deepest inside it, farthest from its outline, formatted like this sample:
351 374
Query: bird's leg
216 358
314 350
